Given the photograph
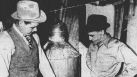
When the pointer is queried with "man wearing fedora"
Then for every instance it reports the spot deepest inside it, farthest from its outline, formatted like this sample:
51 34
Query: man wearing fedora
20 52
107 56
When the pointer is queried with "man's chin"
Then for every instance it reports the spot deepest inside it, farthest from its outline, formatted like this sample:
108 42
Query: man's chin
28 34
32 32
95 42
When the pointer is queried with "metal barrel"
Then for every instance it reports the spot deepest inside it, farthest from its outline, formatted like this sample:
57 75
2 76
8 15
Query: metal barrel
65 61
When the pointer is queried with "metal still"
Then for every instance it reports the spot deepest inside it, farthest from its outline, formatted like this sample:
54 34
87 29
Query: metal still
64 59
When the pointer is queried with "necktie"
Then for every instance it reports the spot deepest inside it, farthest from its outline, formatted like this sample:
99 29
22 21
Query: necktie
29 39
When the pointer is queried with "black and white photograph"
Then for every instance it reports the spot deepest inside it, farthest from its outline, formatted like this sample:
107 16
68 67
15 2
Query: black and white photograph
68 38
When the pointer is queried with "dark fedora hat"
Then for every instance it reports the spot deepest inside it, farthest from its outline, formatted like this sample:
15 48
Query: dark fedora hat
97 22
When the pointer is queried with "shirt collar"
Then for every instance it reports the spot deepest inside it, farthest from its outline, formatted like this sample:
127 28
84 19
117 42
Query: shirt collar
105 40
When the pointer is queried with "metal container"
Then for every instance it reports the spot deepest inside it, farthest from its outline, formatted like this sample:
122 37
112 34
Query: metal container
64 59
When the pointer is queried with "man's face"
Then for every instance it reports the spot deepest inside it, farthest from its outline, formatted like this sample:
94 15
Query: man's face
29 27
95 36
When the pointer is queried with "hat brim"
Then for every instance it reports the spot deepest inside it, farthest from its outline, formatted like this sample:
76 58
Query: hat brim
40 19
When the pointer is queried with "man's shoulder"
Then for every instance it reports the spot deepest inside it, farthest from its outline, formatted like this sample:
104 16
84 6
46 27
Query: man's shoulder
115 42
5 39
4 35
6 43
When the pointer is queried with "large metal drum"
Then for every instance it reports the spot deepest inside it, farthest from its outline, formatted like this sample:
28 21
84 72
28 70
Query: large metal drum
65 60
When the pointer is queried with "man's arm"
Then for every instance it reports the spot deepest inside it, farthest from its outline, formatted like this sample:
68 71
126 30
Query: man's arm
6 50
44 64
4 63
130 62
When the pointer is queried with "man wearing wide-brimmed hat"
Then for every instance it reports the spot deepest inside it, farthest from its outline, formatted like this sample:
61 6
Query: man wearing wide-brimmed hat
107 56
20 52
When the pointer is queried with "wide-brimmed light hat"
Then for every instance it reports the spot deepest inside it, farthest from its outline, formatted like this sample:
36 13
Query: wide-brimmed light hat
29 11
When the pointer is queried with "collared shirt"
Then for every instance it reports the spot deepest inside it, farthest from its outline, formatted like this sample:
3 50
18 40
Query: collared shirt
7 49
105 59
